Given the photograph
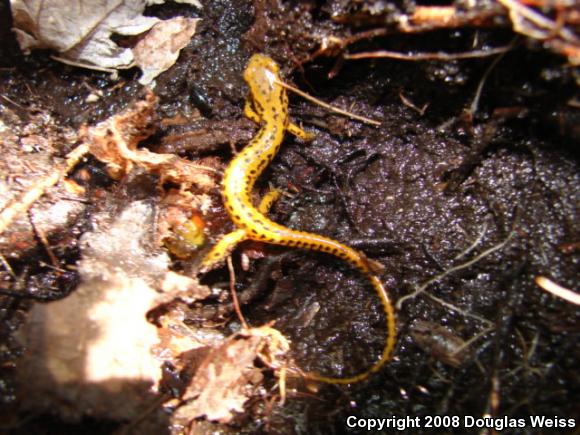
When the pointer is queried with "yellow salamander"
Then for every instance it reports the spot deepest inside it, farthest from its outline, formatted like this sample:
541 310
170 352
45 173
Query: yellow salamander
268 105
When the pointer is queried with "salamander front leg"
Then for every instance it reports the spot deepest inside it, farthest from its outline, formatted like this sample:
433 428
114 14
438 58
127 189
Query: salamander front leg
250 113
292 128
299 133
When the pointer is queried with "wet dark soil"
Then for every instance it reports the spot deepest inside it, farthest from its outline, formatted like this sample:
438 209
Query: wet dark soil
486 199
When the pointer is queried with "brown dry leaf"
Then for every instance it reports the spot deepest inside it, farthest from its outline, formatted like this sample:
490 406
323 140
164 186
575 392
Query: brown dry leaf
184 345
160 48
80 31
227 377
114 142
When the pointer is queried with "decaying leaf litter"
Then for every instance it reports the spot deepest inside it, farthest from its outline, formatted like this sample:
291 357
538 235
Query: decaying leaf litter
465 202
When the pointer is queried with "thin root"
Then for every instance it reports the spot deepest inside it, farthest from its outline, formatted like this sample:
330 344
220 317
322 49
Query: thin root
384 54
442 275
328 106
235 300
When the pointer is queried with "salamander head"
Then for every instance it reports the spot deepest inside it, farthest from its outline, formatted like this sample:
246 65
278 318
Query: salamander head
261 75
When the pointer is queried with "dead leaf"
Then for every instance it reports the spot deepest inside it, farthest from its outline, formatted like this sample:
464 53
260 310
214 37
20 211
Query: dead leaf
80 30
180 342
227 377
115 140
160 48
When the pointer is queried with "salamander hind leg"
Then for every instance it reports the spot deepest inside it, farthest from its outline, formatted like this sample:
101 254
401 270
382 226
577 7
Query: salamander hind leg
268 200
224 247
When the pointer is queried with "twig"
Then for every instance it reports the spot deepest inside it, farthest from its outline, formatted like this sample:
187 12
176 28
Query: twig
517 10
436 17
235 300
426 56
490 68
423 19
328 106
37 190
493 402
43 239
557 290
7 266
12 102
282 385
57 268
411 105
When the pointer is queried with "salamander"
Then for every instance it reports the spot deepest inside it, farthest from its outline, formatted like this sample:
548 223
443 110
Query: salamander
267 105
